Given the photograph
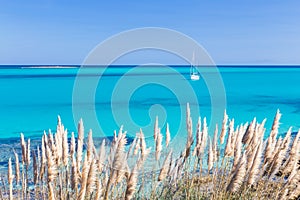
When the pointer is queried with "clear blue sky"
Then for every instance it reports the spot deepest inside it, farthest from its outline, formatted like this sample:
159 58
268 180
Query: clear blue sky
232 31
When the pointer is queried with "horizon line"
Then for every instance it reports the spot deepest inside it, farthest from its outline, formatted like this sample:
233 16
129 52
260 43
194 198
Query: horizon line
234 64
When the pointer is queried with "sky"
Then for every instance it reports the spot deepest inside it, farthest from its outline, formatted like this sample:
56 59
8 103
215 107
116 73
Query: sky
232 31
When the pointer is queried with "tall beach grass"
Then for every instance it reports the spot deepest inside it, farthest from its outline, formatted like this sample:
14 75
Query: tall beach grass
235 163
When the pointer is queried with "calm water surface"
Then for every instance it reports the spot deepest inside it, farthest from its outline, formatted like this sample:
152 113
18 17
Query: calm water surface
32 98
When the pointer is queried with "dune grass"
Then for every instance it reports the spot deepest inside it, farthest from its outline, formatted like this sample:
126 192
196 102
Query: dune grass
235 164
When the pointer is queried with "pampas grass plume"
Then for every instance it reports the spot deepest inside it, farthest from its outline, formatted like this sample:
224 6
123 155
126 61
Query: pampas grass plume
280 154
131 183
158 147
228 147
204 136
72 145
80 143
102 157
10 179
238 148
74 175
92 178
249 132
293 154
210 158
17 168
238 175
165 167
24 148
28 153
198 139
90 146
137 144
143 144
224 128
65 148
215 144
254 170
85 172
156 131
168 135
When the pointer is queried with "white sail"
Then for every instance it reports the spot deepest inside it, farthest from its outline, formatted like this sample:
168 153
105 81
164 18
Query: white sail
194 74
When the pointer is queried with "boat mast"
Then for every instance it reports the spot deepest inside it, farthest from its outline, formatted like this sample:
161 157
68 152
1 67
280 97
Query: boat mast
193 62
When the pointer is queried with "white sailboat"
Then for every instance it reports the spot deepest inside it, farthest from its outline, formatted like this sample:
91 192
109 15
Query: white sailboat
193 70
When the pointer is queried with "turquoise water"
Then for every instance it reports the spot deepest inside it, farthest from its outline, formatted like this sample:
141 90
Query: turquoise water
31 98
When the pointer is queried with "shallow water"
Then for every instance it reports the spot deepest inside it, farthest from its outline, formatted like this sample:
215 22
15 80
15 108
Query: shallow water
32 98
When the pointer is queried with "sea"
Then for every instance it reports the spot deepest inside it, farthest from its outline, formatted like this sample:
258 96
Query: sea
133 97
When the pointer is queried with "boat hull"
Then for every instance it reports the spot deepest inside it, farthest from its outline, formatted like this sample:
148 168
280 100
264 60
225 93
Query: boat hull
195 77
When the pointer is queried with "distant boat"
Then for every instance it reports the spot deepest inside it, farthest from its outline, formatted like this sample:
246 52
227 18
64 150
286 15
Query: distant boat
193 70
195 77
